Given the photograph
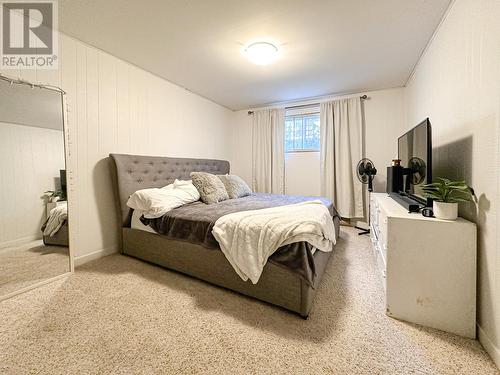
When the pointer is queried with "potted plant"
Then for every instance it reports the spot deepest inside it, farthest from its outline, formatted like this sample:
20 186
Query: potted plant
53 195
446 194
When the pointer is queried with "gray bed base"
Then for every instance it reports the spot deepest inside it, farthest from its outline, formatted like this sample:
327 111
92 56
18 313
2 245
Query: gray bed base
277 285
61 238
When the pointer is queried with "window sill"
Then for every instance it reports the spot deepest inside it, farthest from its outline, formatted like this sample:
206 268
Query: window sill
299 151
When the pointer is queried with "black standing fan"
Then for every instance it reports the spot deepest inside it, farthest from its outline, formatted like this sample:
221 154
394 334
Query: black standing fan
366 172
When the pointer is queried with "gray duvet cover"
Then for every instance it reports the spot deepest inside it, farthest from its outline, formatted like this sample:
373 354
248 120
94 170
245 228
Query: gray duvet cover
194 222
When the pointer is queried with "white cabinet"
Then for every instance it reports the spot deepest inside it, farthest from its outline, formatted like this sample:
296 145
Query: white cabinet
428 266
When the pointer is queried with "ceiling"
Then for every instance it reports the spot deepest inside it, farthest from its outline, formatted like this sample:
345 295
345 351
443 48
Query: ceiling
328 47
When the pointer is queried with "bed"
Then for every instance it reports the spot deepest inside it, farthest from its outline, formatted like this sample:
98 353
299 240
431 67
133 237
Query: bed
286 281
59 239
59 236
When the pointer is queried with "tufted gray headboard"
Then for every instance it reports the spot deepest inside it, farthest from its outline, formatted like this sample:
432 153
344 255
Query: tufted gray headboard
135 172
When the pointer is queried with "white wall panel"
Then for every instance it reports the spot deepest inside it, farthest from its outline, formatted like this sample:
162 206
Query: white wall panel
302 173
30 160
457 85
117 107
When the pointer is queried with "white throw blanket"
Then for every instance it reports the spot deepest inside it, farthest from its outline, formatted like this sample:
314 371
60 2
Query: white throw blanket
57 217
249 238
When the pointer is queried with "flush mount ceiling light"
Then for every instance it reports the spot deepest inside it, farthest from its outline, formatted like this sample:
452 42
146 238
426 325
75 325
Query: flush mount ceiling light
261 53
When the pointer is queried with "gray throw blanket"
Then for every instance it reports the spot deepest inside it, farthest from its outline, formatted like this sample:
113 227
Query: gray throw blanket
194 223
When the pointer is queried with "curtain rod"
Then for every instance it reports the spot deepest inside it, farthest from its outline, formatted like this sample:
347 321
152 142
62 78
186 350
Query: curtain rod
362 97
19 81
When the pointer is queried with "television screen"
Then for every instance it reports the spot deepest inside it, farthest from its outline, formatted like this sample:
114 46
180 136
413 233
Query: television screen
414 150
64 188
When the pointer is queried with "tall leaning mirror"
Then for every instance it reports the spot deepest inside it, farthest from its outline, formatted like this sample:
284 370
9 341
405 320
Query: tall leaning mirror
34 236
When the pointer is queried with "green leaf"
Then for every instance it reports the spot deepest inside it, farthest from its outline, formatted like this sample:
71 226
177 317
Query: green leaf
463 188
444 180
446 190
457 200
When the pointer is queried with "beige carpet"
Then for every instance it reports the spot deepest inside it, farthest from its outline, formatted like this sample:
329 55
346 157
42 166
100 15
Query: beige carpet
119 315
29 263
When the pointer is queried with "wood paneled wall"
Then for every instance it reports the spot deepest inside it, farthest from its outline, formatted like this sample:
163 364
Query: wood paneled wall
457 85
30 160
114 106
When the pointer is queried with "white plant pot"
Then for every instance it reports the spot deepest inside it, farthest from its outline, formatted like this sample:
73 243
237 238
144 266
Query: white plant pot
445 211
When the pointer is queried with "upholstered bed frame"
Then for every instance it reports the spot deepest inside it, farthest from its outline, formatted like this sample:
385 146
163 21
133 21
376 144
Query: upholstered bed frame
61 238
277 285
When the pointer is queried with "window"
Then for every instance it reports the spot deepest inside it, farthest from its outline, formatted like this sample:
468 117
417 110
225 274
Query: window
302 132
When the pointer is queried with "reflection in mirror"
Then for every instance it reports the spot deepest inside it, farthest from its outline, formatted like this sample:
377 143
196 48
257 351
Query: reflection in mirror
33 210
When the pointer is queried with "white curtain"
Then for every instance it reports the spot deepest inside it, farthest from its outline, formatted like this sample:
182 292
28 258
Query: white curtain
268 151
341 149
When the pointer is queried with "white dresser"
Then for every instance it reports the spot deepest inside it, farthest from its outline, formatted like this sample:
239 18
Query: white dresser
427 265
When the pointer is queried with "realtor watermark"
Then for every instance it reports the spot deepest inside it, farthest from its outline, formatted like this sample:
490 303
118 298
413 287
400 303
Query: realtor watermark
28 34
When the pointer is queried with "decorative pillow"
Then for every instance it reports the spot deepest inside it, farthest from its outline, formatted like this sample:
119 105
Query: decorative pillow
210 186
236 187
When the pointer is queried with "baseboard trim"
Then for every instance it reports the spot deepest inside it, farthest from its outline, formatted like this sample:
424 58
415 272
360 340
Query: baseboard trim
82 259
490 347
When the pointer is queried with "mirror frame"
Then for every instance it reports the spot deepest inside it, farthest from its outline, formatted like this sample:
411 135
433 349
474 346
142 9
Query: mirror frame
70 187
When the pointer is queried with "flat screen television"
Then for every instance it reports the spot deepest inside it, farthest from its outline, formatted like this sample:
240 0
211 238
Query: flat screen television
64 187
415 153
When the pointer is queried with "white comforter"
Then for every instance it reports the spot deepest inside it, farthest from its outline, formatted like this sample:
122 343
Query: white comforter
249 238
57 216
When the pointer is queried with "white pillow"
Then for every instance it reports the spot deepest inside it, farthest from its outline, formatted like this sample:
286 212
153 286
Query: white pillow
188 187
178 183
169 186
157 202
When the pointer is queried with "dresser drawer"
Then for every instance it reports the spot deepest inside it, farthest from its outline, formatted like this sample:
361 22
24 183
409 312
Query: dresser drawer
382 226
381 264
383 251
374 212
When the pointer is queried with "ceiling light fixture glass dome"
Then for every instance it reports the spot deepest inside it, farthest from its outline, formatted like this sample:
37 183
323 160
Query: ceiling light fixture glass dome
261 53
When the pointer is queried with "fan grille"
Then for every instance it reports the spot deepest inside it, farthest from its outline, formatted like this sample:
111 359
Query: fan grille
364 170
418 170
